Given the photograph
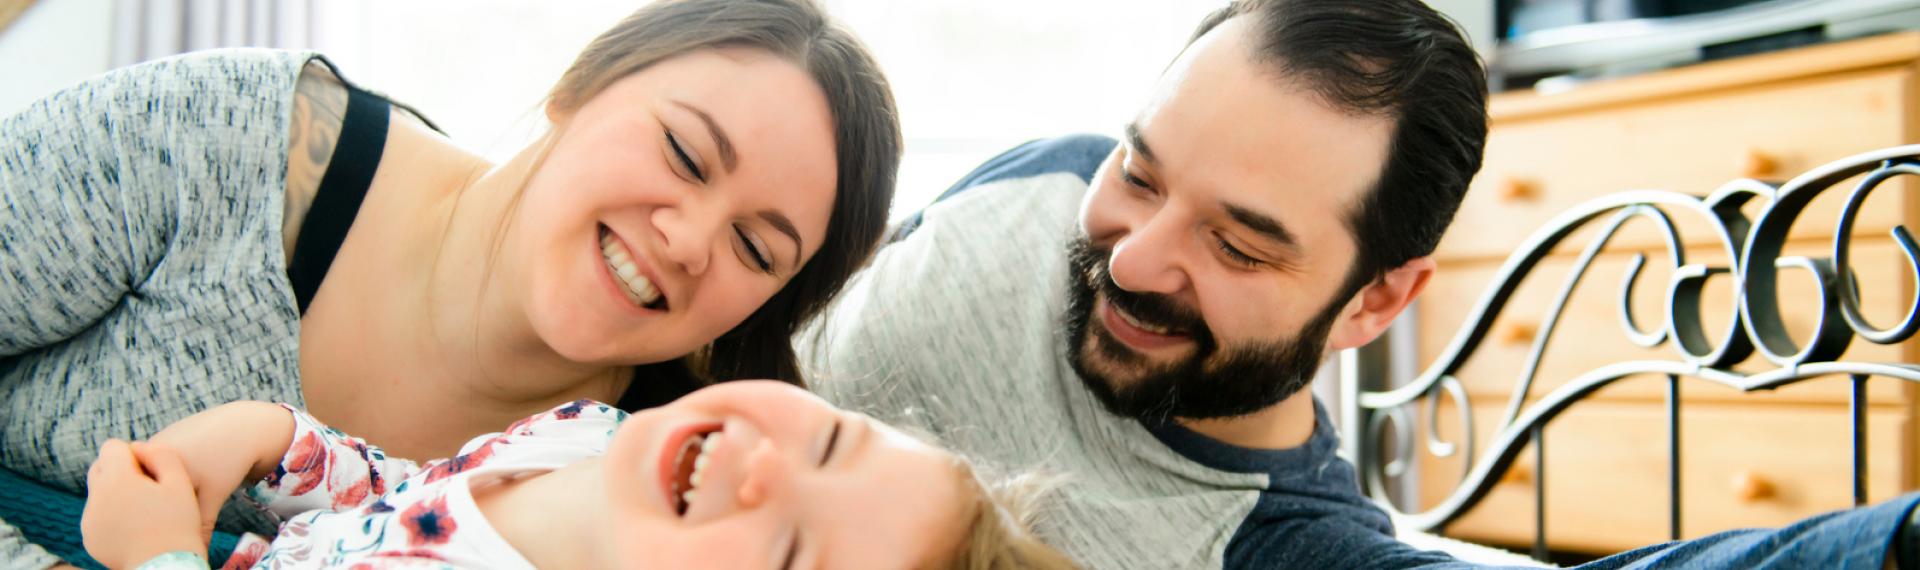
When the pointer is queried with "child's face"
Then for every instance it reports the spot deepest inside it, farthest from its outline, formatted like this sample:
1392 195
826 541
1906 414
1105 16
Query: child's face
784 480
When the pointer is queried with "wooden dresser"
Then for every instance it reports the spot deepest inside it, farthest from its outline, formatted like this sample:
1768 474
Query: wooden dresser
1759 459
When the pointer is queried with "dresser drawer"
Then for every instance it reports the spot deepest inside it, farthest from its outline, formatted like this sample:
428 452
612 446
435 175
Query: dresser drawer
1590 334
1742 466
1537 168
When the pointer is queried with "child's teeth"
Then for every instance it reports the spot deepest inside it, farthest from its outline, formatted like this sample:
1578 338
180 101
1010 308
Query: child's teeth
687 497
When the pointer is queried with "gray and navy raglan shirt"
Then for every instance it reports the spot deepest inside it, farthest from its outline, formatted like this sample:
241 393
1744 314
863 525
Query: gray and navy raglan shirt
142 272
955 329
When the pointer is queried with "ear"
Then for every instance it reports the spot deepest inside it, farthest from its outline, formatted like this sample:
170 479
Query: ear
1372 309
557 116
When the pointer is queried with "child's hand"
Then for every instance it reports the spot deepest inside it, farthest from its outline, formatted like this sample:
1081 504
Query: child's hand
225 447
139 505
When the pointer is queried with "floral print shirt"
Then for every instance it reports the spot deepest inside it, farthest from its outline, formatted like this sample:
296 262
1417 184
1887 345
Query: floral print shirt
348 505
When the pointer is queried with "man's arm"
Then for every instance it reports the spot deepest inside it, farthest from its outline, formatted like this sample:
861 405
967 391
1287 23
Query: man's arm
1328 542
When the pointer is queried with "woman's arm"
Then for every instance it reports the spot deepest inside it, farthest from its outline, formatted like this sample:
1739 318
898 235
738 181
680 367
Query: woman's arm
78 228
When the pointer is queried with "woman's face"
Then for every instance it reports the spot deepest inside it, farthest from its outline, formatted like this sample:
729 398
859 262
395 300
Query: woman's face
765 475
672 205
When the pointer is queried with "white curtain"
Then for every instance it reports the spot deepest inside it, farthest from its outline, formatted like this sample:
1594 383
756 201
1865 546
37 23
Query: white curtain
151 29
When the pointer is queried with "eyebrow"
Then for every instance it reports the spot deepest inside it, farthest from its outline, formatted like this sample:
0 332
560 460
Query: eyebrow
780 222
727 156
1262 224
1138 143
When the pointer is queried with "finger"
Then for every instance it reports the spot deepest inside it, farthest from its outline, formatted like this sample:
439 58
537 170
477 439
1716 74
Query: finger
113 462
164 464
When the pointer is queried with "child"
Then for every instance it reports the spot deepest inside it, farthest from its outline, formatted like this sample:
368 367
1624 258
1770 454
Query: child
738 475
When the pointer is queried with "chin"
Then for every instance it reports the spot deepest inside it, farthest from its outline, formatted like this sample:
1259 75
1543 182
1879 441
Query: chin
574 337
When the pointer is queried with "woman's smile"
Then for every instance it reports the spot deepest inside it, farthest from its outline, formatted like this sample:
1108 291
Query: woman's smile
632 279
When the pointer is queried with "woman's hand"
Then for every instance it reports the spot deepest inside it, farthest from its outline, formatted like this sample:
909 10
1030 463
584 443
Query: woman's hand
139 505
226 447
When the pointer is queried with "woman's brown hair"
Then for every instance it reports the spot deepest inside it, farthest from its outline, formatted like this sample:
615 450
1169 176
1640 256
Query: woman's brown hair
867 144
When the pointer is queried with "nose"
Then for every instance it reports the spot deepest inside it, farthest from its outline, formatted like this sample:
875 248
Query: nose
766 469
1148 259
687 233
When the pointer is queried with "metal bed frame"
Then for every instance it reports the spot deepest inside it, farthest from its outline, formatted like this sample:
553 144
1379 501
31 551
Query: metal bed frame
1753 249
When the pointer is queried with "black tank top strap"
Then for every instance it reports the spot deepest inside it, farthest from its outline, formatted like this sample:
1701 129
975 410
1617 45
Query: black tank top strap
363 140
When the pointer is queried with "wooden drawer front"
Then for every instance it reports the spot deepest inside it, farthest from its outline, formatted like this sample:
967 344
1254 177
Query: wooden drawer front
1536 169
1741 467
1590 335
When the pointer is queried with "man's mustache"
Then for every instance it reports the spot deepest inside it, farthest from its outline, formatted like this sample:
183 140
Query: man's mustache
1152 309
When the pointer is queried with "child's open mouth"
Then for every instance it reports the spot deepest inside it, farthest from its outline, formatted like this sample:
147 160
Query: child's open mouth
689 461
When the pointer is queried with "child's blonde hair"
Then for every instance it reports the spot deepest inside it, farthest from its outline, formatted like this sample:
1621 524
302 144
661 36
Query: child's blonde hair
999 531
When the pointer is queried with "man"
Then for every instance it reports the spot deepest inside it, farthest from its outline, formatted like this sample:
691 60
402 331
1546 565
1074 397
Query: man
1141 317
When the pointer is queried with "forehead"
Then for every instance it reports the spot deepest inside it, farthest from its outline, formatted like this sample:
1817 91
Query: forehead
772 112
907 506
1238 131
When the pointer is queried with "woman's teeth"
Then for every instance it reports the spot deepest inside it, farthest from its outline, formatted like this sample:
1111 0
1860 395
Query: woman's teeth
637 287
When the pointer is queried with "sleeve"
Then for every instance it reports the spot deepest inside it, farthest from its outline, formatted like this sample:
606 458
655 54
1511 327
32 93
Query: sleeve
326 469
1078 154
83 219
1328 542
22 554
176 560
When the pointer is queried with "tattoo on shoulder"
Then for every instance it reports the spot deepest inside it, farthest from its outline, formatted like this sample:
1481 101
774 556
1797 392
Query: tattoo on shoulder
319 108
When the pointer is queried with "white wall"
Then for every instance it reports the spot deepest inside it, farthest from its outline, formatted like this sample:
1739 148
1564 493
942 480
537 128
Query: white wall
1475 16
53 44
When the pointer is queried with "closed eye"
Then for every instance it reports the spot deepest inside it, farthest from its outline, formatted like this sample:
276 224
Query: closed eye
756 254
1234 255
686 160
833 439
793 552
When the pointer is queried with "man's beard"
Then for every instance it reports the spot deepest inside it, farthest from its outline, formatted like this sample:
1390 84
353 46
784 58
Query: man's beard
1213 382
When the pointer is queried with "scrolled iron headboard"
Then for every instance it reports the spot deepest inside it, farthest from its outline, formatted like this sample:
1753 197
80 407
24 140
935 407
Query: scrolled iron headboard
1753 250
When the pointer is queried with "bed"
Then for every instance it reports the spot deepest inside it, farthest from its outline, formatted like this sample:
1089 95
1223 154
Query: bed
1385 429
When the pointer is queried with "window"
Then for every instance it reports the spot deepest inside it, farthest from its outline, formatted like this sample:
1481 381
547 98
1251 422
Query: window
972 77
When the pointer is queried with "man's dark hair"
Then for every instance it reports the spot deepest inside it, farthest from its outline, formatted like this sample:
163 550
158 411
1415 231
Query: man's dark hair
1394 58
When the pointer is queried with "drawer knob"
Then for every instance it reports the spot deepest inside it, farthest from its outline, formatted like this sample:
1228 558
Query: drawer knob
1756 164
1517 190
1517 334
1749 487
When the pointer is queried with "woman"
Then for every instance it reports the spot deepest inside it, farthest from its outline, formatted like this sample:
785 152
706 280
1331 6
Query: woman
740 475
176 236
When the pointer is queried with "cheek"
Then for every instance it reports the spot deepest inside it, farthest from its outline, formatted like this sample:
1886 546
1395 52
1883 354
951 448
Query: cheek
727 299
668 545
1242 308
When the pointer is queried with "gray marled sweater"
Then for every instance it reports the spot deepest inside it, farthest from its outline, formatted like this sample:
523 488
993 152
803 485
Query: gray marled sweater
142 276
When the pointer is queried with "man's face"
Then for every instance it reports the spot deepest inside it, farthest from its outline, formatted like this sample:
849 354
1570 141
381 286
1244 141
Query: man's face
1216 241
